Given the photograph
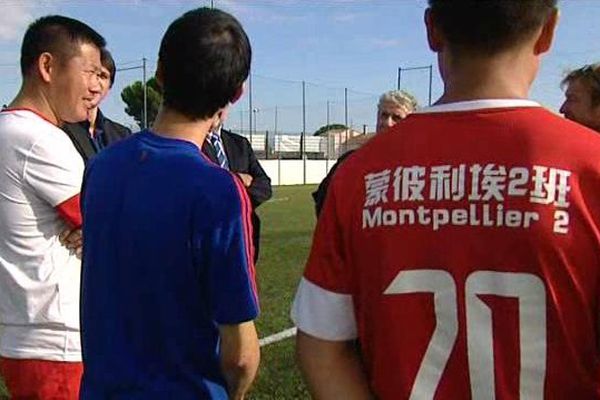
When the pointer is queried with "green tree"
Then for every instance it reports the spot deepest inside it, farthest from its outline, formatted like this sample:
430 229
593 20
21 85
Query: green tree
133 96
330 127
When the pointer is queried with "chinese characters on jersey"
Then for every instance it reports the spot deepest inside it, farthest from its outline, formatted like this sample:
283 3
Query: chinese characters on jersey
485 187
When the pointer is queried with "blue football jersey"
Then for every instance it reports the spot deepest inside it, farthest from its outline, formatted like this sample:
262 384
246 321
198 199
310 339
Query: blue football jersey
167 258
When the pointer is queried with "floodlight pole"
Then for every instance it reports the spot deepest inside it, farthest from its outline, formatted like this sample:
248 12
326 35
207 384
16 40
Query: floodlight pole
346 119
275 130
327 134
250 109
303 137
145 93
144 87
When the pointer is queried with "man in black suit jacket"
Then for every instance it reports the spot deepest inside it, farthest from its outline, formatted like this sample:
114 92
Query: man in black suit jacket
97 132
242 161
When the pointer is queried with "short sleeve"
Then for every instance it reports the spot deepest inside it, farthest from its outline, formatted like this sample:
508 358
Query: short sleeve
54 170
323 306
224 251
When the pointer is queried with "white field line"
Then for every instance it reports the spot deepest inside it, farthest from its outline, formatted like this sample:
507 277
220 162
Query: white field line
278 199
277 337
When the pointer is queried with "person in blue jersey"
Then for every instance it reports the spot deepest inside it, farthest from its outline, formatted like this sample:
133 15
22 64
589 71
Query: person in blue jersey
168 288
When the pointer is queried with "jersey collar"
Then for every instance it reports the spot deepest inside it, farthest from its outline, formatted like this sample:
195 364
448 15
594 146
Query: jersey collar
31 110
473 105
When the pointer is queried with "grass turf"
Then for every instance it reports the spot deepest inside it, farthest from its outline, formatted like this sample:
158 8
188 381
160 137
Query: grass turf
287 225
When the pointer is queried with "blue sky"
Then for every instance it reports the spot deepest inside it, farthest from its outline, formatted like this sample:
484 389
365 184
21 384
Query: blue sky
330 44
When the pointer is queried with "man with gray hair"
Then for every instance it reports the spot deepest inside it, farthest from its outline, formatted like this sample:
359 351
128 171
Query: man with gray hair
393 106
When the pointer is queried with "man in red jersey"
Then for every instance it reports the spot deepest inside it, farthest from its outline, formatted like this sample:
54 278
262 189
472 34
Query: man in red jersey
463 252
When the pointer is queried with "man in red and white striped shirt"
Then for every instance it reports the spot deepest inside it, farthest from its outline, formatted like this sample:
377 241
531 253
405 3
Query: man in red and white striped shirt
40 180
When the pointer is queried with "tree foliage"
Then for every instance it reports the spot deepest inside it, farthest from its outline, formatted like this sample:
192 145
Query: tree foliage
327 128
133 96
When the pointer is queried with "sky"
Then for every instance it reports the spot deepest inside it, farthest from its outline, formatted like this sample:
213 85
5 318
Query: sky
338 48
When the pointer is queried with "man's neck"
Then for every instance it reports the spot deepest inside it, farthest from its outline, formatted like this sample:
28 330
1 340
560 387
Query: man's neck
217 131
171 124
506 76
92 119
35 100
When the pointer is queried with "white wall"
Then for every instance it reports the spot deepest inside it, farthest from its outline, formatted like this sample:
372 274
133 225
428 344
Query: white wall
291 172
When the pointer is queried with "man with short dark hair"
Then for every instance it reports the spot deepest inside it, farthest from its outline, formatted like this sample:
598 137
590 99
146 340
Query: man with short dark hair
582 96
97 131
169 295
461 249
40 179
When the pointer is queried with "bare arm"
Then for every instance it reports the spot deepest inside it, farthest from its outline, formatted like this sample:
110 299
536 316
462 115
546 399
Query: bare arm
332 370
240 356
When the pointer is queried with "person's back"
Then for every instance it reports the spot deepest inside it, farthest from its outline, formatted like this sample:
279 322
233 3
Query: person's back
462 252
168 289
481 258
171 277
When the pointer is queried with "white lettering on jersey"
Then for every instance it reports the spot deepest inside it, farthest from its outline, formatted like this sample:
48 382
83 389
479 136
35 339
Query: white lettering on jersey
376 186
491 186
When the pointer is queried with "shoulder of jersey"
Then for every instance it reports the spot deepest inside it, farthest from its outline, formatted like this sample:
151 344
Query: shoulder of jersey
568 131
21 126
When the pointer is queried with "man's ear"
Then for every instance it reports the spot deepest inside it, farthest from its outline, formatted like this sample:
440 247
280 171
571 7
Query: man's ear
159 74
238 94
546 36
217 120
46 64
434 36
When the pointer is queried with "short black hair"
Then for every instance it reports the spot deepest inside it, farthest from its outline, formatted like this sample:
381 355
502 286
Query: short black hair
107 62
204 60
488 26
589 75
58 35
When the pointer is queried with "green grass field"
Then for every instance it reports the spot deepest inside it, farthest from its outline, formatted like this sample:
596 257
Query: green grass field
287 225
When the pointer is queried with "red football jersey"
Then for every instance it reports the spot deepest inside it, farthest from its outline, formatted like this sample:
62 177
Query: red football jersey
462 250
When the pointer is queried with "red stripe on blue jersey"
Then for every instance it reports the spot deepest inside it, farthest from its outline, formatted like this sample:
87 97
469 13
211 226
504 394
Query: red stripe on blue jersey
204 156
247 222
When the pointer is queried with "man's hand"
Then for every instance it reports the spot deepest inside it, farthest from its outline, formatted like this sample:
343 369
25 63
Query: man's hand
72 239
246 179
